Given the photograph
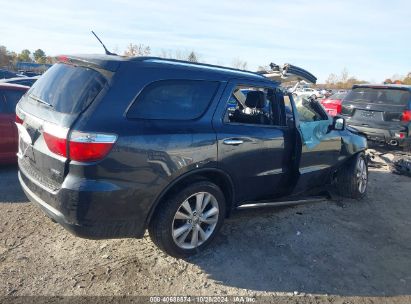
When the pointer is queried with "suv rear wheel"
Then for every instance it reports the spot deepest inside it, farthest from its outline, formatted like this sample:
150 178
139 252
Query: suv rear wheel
352 178
188 222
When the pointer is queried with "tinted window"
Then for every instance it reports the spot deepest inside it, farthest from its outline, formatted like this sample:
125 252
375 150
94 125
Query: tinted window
379 96
9 99
253 105
173 99
67 88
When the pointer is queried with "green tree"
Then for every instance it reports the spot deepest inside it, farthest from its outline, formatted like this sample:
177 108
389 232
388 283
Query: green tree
39 56
24 56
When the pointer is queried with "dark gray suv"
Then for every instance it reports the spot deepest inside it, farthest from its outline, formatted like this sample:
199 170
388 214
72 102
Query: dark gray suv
110 146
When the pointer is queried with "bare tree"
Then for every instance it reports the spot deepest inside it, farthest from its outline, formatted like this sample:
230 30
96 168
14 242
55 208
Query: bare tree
344 75
134 50
239 64
331 80
192 56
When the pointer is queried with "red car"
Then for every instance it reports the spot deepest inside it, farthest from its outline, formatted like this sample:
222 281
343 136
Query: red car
333 103
10 94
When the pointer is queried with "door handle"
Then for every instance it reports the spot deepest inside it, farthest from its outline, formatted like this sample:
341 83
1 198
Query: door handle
233 141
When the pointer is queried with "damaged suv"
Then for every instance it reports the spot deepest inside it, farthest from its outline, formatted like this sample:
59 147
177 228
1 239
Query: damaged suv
112 146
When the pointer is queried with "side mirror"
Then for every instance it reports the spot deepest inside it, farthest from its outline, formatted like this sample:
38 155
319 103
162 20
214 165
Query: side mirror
339 123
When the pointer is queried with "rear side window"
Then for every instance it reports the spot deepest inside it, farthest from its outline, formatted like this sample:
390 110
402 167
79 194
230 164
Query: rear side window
9 99
173 99
379 96
66 88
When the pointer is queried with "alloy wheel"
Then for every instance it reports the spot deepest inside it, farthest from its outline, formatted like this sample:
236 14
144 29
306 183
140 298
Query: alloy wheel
361 174
195 220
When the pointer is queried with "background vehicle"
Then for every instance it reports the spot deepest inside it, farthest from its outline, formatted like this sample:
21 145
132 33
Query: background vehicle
9 96
4 74
29 73
333 103
382 112
308 92
26 81
113 154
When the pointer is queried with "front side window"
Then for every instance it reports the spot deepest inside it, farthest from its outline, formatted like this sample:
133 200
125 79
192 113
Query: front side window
309 110
173 100
254 105
314 121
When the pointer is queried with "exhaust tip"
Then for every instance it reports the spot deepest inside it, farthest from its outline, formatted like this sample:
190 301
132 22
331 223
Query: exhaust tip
393 142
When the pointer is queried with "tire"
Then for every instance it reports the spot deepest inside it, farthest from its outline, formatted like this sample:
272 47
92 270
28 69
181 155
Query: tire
173 228
352 176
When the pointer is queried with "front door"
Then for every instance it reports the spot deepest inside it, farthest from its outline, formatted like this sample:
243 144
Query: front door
320 147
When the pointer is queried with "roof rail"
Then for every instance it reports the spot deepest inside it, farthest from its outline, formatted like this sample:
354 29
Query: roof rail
184 62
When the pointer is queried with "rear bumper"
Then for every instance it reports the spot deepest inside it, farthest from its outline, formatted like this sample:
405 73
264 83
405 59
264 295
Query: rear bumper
86 213
385 136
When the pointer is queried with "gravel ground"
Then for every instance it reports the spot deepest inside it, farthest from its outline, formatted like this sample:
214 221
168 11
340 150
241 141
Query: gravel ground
335 252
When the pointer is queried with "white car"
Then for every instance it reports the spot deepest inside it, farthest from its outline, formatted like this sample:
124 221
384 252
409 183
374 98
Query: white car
308 92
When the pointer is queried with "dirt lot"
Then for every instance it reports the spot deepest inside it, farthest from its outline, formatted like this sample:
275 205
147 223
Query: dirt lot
334 252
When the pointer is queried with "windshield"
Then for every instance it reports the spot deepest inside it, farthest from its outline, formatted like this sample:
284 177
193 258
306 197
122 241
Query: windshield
66 88
379 96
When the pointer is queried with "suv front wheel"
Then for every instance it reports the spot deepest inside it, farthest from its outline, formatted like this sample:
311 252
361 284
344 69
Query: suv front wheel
352 178
188 221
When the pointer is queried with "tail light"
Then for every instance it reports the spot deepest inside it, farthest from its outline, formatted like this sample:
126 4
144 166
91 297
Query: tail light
19 120
56 138
86 147
406 116
338 107
82 146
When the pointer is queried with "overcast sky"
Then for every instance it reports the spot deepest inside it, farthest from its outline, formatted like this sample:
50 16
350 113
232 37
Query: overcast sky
372 39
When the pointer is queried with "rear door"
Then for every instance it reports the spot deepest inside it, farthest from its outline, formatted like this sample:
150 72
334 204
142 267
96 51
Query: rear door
251 141
47 112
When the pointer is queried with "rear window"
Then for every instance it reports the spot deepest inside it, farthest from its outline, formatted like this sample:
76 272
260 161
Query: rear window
173 99
9 99
337 96
379 96
66 88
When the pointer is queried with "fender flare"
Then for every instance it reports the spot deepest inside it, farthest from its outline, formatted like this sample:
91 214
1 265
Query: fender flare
180 178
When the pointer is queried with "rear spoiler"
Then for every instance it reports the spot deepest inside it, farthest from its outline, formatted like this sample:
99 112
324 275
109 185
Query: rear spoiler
288 72
105 64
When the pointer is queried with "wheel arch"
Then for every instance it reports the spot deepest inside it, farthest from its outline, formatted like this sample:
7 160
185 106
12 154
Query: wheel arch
214 175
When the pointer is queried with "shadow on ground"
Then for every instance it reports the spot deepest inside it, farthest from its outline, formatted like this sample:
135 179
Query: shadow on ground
360 248
10 189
